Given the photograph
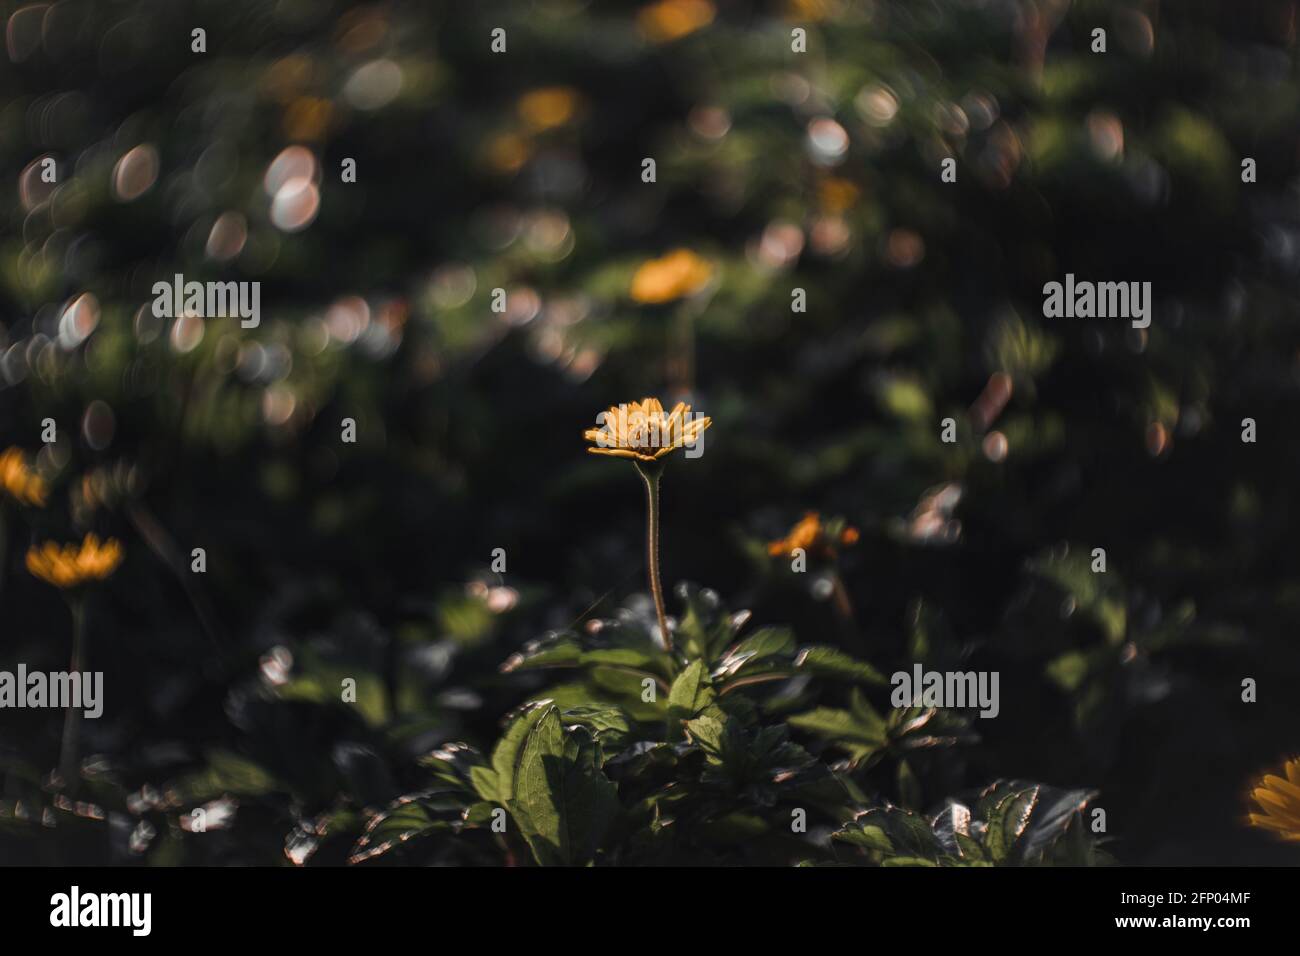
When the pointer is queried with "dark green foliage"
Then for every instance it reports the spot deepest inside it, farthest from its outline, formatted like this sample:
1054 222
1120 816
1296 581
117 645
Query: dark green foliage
371 562
1013 824
703 776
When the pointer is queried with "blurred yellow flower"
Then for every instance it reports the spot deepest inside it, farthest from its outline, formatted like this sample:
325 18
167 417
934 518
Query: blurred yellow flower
807 9
679 273
835 194
19 482
670 20
644 431
508 152
73 565
307 118
1279 799
548 107
288 76
813 537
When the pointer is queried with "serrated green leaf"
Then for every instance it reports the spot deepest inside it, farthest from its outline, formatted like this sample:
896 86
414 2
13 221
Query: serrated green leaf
485 782
756 653
608 725
497 787
870 837
690 694
832 662
706 731
860 731
838 725
560 799
1007 821
406 819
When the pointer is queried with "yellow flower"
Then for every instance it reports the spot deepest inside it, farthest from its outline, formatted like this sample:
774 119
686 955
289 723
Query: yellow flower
19 482
807 9
644 431
73 565
813 537
307 119
548 107
1280 801
836 195
679 273
507 152
670 20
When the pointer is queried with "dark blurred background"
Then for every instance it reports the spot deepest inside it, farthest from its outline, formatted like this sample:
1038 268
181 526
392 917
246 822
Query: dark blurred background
522 171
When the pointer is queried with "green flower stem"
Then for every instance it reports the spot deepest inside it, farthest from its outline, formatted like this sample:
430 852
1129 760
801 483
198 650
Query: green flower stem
650 472
72 718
